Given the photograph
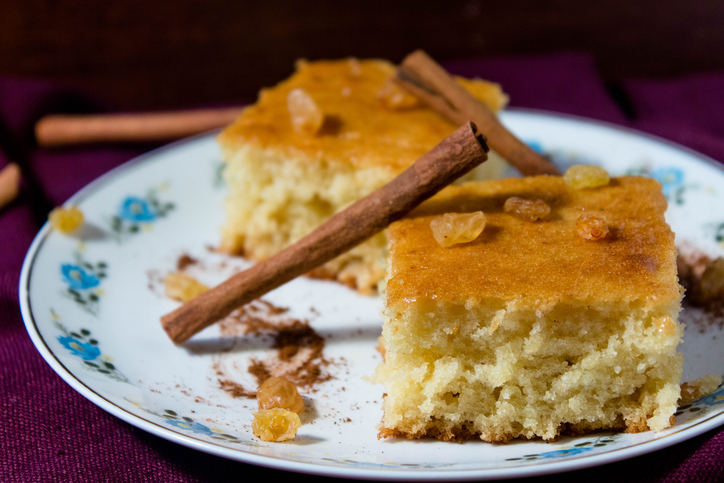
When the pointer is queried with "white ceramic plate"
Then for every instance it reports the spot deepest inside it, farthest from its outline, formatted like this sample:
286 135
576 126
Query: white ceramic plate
92 304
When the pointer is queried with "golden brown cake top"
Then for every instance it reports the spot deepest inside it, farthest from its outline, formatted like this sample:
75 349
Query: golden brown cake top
358 129
544 262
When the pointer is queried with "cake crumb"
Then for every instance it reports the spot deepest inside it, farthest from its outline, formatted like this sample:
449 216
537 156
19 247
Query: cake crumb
694 390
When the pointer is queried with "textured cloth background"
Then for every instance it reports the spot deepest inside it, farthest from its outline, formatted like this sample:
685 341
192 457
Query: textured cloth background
48 432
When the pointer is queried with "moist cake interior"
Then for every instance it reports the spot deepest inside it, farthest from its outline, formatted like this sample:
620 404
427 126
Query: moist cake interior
531 331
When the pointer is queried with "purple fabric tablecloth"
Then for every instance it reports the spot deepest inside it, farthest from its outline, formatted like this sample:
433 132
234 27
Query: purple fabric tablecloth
48 432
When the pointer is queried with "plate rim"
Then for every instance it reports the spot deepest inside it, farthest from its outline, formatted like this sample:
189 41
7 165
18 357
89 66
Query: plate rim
380 474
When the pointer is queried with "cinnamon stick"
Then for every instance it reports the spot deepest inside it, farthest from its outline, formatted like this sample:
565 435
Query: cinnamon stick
9 183
67 129
424 78
453 157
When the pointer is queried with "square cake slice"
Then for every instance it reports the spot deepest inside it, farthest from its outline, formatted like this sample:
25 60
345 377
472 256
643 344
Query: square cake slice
284 181
531 330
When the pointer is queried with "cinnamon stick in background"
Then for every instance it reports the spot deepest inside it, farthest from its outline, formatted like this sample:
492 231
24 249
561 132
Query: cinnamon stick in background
426 79
9 183
453 157
67 129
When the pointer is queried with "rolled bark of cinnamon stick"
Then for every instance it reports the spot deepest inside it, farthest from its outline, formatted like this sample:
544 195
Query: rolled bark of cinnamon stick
453 157
426 79
67 129
9 183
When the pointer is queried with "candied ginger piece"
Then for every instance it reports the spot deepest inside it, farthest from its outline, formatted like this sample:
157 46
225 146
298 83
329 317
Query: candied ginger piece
275 424
586 176
278 392
182 287
66 220
591 227
693 390
306 116
452 228
711 285
394 98
527 209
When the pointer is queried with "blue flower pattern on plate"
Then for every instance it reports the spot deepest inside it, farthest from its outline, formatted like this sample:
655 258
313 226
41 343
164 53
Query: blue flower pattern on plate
192 426
83 280
564 452
139 213
535 146
188 424
84 350
569 451
562 159
713 399
77 278
136 209
671 179
82 345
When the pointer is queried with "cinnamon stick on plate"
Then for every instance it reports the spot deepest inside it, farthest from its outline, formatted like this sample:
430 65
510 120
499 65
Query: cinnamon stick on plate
453 157
424 78
67 129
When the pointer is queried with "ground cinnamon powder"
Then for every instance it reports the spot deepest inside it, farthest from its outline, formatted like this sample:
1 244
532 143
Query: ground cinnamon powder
298 349
236 390
184 261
